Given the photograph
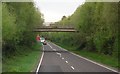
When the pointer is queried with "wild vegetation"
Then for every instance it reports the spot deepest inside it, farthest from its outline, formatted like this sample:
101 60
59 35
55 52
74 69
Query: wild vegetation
97 23
18 21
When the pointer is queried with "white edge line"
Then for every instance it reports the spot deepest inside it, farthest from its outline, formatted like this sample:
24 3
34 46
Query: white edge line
40 61
88 59
94 62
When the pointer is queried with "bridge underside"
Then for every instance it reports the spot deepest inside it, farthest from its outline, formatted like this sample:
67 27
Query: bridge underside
55 30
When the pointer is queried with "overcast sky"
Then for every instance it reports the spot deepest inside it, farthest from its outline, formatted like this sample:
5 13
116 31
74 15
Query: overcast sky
53 10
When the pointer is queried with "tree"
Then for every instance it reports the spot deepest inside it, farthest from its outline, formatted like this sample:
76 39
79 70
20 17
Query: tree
19 19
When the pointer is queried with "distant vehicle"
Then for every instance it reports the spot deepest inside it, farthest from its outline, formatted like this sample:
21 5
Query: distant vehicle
43 41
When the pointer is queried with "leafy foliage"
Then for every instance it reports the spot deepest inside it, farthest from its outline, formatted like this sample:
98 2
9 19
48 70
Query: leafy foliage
97 23
18 21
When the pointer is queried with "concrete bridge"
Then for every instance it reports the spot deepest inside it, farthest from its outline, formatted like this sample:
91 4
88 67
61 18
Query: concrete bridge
55 29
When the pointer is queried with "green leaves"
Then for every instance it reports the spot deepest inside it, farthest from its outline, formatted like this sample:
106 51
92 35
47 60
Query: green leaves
18 21
97 23
8 24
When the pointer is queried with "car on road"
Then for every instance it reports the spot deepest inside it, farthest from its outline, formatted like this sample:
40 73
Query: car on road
43 41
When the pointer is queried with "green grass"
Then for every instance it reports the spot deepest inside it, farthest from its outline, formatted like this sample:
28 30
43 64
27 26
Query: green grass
25 62
101 58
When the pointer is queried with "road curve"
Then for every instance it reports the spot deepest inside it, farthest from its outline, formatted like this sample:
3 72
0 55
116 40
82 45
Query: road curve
57 59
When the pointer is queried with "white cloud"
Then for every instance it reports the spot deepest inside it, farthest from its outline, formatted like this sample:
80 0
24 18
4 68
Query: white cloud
53 10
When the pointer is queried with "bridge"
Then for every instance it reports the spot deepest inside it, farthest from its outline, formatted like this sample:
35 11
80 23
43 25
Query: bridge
55 29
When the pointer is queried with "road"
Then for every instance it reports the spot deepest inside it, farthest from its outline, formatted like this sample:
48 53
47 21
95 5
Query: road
57 59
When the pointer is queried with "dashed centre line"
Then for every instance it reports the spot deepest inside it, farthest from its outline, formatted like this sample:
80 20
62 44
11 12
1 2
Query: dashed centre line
66 61
54 49
50 45
57 53
60 56
72 67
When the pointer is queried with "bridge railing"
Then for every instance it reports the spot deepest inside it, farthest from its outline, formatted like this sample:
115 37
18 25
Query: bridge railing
51 29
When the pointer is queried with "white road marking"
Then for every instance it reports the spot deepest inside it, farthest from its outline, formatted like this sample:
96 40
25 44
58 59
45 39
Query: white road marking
54 49
50 45
59 47
62 58
88 59
40 61
94 62
66 61
72 67
59 54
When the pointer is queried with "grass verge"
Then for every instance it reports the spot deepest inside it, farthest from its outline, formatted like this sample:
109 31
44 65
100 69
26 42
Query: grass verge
23 62
101 58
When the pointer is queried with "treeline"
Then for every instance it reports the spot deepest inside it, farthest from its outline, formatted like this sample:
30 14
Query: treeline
97 23
18 21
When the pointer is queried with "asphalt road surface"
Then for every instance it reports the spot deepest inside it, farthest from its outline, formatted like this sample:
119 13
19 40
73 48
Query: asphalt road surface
57 59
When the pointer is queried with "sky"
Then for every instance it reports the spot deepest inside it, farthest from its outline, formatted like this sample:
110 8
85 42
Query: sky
53 10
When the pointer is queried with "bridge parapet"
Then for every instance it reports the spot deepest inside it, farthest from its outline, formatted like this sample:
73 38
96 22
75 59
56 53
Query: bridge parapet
54 29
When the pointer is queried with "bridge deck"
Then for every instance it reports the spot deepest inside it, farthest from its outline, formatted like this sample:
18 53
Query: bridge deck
55 30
